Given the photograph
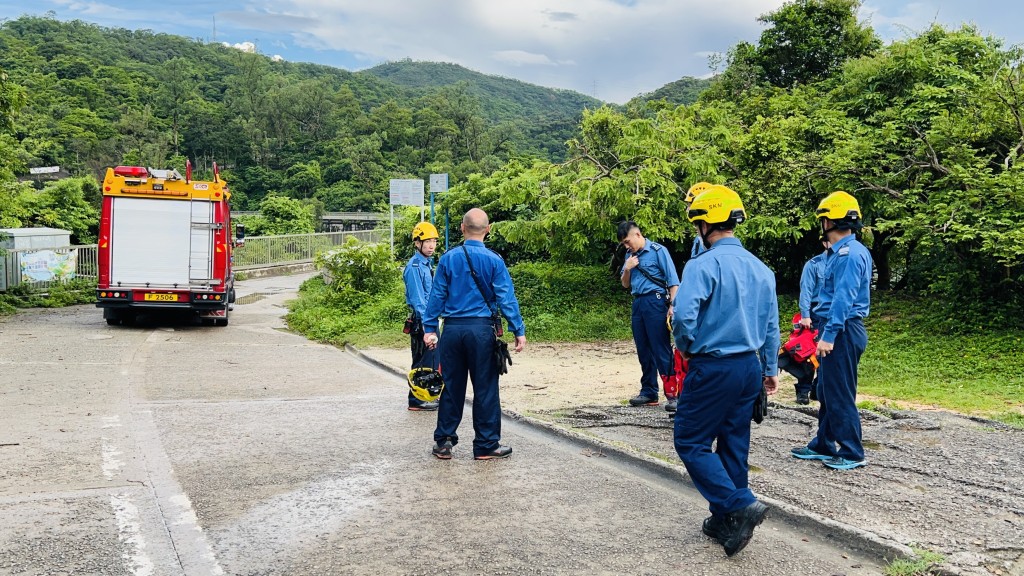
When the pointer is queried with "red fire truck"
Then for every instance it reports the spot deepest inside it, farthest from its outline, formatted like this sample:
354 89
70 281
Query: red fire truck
164 243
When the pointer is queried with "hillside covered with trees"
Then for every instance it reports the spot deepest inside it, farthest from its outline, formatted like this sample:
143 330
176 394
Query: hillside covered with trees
85 97
926 131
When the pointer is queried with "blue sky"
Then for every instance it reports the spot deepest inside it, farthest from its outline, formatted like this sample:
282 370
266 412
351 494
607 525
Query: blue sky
611 49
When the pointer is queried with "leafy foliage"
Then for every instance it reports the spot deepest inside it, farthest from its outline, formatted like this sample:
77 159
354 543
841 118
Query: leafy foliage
92 97
67 204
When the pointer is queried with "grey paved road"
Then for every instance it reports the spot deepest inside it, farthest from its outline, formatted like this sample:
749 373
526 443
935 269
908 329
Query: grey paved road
167 448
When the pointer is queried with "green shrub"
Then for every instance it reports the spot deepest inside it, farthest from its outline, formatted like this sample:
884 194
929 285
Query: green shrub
357 267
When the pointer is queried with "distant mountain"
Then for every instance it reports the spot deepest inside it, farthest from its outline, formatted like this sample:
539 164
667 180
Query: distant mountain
500 98
547 117
682 91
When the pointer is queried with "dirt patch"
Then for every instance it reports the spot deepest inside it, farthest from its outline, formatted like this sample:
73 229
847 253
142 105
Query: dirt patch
936 480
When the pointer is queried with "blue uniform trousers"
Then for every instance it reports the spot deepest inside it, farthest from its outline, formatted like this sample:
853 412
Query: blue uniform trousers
467 349
653 341
422 357
716 403
838 418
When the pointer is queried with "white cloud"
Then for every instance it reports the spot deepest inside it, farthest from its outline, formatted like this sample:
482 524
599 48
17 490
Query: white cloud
624 48
243 46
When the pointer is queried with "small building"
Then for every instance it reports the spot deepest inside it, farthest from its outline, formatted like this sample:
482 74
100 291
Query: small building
30 255
34 238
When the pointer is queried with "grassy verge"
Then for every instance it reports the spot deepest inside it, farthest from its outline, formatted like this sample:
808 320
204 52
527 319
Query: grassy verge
78 291
914 357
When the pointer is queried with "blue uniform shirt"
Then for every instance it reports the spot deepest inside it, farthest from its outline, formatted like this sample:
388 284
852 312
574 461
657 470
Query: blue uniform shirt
810 283
654 259
846 292
698 247
417 279
727 305
455 293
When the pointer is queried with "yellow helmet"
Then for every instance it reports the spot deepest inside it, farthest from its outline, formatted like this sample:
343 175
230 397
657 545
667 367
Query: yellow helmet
424 231
717 205
696 190
839 206
426 384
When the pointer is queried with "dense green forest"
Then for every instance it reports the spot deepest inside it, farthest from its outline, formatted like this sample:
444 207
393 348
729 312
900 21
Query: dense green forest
925 131
85 97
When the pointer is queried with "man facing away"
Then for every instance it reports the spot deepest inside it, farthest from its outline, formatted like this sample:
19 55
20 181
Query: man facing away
418 279
651 278
844 302
727 322
469 307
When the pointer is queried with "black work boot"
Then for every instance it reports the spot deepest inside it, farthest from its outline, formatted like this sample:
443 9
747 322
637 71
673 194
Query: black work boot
741 524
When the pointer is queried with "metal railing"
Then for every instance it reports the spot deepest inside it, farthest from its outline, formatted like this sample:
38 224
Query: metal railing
39 269
264 251
36 270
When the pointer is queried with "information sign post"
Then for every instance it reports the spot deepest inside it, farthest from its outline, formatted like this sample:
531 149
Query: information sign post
404 192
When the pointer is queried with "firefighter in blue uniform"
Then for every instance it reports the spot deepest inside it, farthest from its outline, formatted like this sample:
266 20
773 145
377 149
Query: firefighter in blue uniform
468 306
811 279
651 278
727 322
418 278
844 302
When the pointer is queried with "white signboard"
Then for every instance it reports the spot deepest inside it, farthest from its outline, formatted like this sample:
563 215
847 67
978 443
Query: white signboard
438 182
46 265
407 192
44 170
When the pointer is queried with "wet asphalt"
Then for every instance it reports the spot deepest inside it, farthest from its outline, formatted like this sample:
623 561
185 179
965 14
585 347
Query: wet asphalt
170 448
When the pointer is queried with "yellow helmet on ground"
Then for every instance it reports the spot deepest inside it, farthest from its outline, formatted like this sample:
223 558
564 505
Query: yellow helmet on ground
839 206
717 205
696 190
426 384
424 231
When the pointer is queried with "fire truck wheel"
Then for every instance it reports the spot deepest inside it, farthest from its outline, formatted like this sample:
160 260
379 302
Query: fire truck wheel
113 321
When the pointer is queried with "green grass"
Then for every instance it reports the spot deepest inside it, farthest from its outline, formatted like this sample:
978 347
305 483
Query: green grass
77 291
912 359
919 566
916 355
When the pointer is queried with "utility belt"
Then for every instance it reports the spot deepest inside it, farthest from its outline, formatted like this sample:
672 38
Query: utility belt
735 356
413 325
468 321
654 293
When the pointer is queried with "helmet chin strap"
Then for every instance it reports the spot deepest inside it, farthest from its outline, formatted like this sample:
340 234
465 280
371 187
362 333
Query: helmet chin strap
704 237
712 228
825 231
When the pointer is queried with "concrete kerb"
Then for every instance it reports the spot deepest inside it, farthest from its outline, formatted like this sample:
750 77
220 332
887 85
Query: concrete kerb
862 540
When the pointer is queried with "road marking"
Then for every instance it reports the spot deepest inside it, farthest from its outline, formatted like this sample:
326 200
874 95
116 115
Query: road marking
193 549
129 532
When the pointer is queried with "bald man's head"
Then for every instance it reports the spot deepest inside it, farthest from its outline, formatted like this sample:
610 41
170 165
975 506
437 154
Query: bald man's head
475 224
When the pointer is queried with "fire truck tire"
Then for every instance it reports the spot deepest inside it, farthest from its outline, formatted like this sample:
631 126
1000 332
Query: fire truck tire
113 321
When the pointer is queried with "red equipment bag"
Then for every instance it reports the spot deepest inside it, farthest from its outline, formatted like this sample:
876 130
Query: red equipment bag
801 345
674 383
